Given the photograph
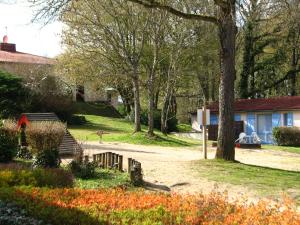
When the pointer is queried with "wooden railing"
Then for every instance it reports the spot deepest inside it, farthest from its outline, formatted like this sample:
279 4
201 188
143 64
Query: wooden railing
109 160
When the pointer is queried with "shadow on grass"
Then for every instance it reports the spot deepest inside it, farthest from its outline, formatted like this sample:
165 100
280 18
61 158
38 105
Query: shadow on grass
90 126
42 209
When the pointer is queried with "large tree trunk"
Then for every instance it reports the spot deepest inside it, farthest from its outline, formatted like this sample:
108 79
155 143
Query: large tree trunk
227 35
137 106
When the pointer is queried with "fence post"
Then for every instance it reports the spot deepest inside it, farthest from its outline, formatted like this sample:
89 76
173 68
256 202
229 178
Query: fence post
94 158
120 163
109 160
136 175
129 164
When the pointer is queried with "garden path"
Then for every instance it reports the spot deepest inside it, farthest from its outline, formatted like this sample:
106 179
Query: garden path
169 169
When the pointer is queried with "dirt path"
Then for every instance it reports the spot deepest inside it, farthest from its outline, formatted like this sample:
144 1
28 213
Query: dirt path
169 169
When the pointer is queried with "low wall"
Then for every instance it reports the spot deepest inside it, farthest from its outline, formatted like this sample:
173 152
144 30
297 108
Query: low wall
193 135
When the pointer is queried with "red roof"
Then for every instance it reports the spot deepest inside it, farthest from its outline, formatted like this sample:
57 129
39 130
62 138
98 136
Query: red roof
263 104
19 57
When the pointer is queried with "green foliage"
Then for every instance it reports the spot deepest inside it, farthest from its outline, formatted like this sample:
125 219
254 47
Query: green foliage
83 170
77 120
13 215
48 158
45 135
171 124
12 95
37 177
104 179
8 140
24 153
287 136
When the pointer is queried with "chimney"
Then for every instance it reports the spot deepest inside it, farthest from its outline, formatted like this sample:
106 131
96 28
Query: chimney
5 46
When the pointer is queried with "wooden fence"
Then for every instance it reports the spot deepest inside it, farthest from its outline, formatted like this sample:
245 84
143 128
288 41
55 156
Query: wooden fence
109 160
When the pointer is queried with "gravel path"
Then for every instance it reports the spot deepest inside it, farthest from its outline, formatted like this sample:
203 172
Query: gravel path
169 169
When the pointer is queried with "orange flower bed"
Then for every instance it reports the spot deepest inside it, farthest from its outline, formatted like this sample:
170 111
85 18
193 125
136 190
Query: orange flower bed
123 207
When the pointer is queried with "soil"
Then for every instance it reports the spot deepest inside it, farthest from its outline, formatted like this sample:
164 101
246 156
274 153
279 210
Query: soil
169 169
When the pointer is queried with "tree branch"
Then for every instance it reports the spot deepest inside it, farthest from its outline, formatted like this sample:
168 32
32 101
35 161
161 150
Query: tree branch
156 5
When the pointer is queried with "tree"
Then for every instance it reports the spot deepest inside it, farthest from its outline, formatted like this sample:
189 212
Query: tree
226 22
12 95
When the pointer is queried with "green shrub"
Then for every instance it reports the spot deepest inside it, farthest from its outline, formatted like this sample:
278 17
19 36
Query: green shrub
36 177
172 122
85 170
287 136
24 153
47 159
8 140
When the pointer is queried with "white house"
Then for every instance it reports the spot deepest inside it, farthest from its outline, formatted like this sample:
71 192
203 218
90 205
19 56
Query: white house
260 115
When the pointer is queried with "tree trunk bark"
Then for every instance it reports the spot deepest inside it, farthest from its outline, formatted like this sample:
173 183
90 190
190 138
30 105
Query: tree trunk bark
227 35
137 106
151 104
294 74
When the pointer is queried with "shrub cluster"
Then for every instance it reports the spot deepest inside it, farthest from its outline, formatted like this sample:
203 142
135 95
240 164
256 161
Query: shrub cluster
44 139
12 215
287 136
37 177
171 123
45 135
83 170
117 206
8 140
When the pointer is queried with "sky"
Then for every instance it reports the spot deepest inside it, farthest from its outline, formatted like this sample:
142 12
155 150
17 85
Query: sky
29 37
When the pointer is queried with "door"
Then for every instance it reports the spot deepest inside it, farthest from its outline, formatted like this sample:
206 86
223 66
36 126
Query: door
264 127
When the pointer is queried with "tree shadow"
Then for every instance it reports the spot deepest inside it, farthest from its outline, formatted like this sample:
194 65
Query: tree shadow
42 209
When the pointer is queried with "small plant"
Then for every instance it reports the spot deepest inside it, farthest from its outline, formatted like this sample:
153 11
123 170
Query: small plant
47 159
8 140
24 153
85 170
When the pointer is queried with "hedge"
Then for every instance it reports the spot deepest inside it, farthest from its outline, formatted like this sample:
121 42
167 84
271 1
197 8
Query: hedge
287 136
8 140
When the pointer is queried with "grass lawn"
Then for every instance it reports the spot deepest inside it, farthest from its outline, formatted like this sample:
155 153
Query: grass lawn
265 181
282 148
120 130
104 179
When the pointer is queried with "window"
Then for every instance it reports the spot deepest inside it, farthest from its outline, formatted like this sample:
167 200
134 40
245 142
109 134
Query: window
237 117
288 119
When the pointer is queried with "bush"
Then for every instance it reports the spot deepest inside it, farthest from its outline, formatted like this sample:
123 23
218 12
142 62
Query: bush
77 120
287 136
47 159
85 170
36 177
24 153
12 215
8 140
45 135
172 122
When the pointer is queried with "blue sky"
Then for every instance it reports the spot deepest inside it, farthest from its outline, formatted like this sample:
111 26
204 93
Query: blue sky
30 38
